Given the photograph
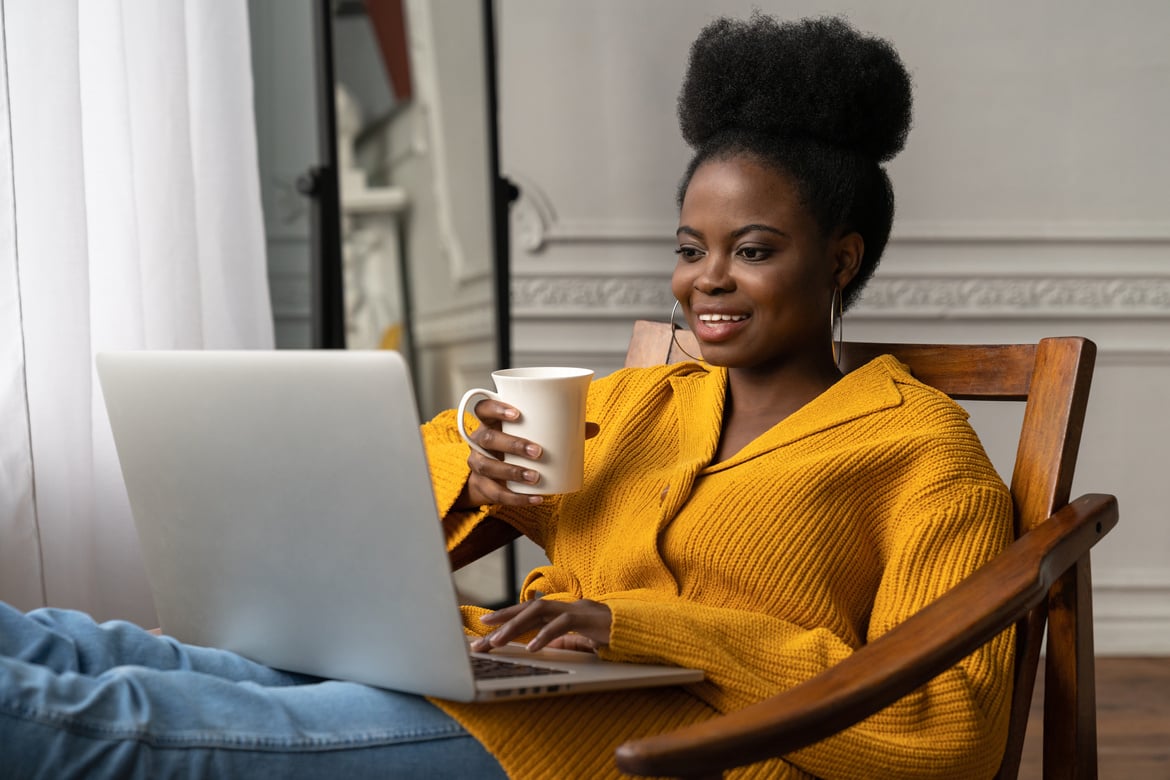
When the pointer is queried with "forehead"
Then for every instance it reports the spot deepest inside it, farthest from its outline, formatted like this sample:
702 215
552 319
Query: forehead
740 189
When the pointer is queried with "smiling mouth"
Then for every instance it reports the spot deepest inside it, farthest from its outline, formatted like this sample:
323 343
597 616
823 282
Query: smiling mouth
722 317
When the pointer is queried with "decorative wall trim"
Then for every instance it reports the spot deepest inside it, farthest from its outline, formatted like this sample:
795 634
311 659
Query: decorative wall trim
1132 614
532 216
1118 636
1017 296
891 295
471 325
622 296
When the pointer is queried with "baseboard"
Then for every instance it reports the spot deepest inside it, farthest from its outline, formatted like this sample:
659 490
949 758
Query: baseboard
1131 615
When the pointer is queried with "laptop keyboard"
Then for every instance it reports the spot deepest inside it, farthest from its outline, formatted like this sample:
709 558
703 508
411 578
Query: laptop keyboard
491 669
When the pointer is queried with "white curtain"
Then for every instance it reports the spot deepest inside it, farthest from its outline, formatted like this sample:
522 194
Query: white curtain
130 217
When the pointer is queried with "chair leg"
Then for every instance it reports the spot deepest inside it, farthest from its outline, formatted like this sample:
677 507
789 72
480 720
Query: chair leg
1070 703
1029 638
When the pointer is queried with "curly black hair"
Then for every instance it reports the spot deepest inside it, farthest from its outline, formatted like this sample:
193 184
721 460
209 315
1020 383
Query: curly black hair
815 99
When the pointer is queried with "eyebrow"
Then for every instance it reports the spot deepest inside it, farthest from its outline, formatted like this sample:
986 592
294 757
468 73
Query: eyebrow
752 228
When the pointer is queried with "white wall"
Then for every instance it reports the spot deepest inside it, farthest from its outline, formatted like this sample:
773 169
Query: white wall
1033 200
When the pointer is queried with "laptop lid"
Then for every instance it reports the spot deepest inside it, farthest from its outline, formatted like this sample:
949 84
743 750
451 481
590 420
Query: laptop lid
284 509
263 487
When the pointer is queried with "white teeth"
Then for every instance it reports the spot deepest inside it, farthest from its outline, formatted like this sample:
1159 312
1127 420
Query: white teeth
722 317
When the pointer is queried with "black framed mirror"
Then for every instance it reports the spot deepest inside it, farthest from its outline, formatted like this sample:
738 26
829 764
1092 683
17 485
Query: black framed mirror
402 241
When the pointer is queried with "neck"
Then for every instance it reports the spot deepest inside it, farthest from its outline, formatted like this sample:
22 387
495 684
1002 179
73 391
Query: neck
757 400
778 392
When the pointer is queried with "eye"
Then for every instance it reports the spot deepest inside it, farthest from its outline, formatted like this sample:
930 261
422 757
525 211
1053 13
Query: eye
688 253
754 253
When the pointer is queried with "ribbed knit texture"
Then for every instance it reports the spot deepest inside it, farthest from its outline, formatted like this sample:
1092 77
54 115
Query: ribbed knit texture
827 530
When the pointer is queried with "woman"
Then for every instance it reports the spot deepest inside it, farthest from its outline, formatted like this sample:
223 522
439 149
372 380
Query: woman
758 515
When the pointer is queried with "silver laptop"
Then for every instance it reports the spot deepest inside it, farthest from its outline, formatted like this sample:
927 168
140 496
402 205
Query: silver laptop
285 511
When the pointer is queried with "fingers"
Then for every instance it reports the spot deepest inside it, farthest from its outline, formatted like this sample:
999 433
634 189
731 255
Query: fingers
489 411
577 642
495 440
492 415
501 471
487 483
553 622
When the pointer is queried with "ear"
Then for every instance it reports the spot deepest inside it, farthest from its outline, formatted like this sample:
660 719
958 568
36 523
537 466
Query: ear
848 251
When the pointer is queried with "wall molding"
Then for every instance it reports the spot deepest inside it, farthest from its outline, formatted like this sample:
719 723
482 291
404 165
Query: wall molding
1017 296
887 295
465 326
532 216
1132 613
543 296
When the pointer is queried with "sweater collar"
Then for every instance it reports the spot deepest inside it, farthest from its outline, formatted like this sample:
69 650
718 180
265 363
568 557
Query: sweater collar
863 391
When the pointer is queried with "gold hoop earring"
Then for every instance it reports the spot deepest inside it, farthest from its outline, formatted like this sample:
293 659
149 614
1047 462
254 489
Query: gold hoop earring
674 328
837 324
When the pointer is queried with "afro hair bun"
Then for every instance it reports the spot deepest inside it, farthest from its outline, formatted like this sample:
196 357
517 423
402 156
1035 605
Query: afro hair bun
814 79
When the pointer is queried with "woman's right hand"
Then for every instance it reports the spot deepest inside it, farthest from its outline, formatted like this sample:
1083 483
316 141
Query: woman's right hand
487 483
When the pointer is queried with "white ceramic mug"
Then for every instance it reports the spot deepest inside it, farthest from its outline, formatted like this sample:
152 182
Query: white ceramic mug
551 401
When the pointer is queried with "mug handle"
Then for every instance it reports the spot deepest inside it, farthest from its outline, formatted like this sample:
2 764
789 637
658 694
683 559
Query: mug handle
462 411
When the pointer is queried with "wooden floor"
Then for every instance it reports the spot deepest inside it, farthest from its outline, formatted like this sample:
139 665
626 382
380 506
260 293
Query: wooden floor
1133 721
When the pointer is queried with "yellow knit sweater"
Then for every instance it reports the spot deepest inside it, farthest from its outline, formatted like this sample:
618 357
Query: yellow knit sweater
827 530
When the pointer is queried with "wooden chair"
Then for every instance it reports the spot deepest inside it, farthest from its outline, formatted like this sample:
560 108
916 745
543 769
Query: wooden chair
1042 578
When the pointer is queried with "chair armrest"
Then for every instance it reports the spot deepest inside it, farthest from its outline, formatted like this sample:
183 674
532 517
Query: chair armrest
893 665
489 535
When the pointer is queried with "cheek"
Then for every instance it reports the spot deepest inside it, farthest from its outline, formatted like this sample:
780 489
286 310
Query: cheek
680 282
786 297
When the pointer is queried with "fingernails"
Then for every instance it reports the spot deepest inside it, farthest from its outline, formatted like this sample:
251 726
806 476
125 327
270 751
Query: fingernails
511 414
532 451
536 499
531 476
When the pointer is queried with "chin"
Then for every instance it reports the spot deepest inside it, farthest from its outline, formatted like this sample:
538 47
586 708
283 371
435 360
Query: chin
713 355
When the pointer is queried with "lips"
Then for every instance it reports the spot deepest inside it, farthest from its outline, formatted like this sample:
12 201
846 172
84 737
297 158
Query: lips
714 326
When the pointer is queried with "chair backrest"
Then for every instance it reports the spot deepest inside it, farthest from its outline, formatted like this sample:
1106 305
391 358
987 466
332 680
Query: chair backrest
1052 377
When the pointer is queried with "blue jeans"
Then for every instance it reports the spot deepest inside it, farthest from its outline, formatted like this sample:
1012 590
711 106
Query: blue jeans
78 699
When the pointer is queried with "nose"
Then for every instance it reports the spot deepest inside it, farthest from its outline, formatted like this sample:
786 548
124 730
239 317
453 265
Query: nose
715 274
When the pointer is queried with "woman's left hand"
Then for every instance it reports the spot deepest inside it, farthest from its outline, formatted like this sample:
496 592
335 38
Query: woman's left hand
574 625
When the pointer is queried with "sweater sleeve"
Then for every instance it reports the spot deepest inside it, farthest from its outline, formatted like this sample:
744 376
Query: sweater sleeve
447 455
955 726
